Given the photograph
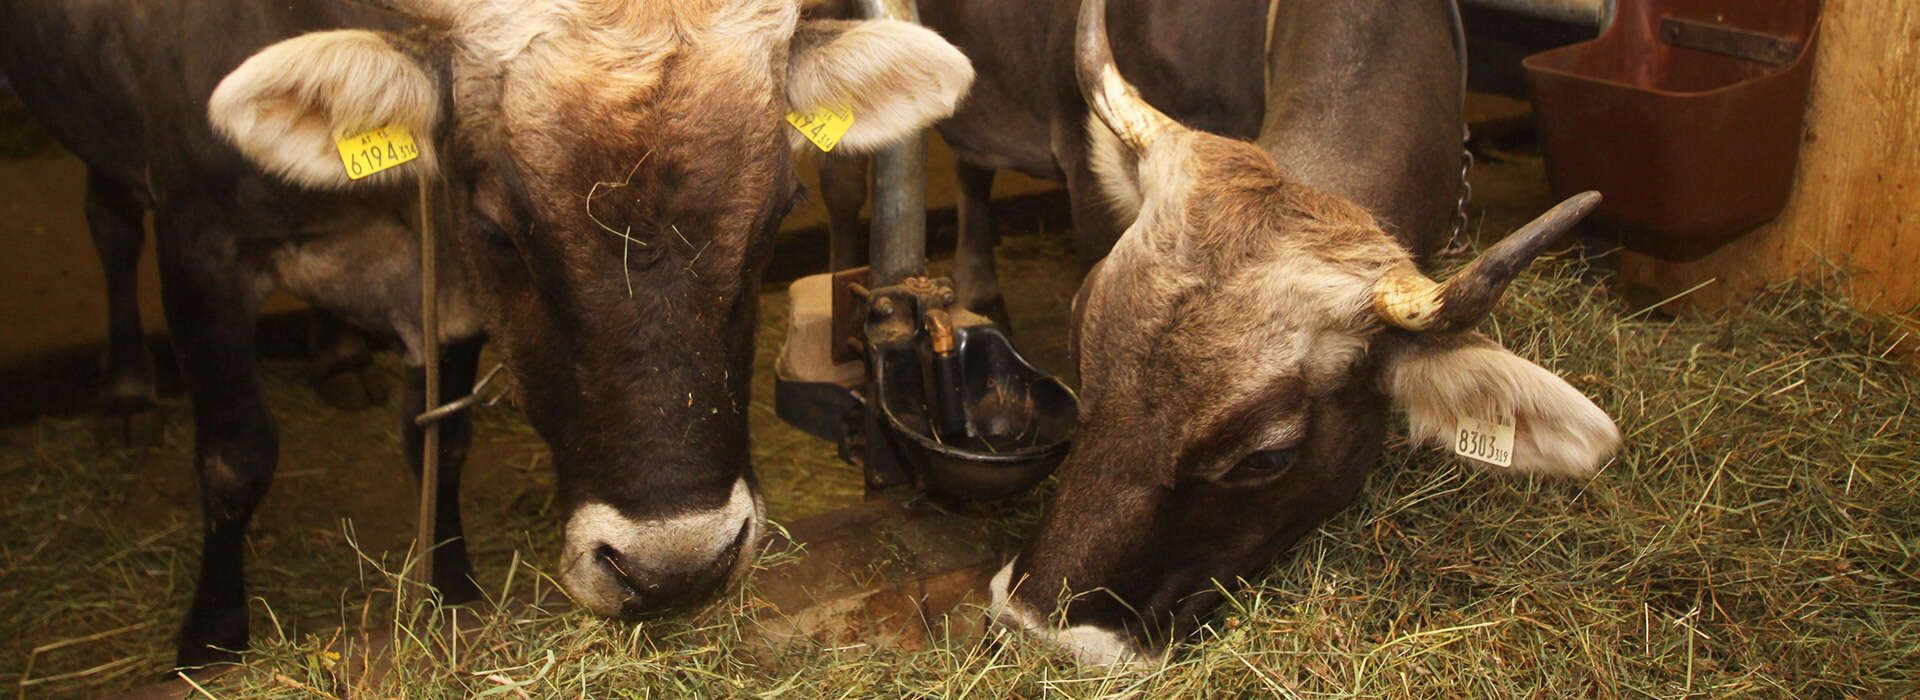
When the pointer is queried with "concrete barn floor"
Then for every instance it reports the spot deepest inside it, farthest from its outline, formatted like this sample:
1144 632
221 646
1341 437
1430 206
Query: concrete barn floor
99 547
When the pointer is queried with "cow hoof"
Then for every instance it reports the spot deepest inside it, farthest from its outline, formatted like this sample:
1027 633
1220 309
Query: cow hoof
129 425
353 388
208 639
456 590
192 656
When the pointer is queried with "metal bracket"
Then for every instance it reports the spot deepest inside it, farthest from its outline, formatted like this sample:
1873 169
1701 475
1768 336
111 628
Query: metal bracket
1729 41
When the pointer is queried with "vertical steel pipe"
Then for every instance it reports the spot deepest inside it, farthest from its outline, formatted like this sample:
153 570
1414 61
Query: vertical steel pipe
899 240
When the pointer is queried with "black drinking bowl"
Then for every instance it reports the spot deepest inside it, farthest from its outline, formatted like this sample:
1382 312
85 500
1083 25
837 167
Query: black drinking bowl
1019 420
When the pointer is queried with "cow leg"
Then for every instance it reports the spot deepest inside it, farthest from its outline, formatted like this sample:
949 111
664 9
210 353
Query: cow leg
974 277
128 408
343 371
208 305
843 184
452 572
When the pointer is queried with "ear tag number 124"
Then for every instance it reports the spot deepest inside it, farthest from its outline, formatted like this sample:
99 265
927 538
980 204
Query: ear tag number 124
377 151
824 126
1489 441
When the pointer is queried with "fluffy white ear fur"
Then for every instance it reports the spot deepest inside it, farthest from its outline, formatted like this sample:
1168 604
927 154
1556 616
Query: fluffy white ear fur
1115 168
285 107
1558 430
897 77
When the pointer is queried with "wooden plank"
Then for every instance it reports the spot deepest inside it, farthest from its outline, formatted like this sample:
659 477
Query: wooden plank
1856 197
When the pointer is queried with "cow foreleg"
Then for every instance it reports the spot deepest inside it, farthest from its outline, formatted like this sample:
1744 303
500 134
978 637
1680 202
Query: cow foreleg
235 446
128 408
843 186
343 371
452 572
974 277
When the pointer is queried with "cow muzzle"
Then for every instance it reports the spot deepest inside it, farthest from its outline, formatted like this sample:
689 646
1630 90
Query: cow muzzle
1090 645
628 568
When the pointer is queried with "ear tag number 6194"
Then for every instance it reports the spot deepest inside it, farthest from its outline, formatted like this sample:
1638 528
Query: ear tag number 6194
824 126
364 155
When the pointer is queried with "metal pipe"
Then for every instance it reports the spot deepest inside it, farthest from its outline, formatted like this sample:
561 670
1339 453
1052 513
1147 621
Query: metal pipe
1591 13
899 239
899 246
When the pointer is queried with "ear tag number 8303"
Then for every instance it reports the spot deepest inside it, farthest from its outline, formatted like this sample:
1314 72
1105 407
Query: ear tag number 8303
1489 441
376 151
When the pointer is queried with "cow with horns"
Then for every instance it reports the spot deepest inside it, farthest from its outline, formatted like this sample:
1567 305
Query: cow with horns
1201 61
609 175
1243 342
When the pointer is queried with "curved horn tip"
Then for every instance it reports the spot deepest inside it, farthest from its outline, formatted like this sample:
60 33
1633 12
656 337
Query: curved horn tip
1582 204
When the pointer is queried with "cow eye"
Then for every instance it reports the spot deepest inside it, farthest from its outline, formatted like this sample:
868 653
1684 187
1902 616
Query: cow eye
486 230
1260 468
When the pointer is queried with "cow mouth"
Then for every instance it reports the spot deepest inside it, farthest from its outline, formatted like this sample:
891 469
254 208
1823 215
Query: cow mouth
704 586
1089 645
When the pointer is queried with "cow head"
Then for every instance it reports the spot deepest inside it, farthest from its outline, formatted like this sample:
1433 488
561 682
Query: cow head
1239 351
616 170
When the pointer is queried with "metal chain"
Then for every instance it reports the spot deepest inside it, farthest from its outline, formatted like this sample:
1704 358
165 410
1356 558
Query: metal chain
1454 244
1460 220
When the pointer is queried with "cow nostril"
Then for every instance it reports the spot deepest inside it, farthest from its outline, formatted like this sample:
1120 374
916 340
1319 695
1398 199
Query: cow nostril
611 559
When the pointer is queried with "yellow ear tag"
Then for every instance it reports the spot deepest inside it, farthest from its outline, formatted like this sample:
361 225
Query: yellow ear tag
377 151
1489 441
824 127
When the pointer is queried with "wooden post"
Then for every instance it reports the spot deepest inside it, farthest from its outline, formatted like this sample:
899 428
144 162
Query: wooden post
1856 198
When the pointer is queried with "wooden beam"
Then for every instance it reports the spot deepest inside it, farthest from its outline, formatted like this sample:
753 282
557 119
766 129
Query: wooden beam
1856 198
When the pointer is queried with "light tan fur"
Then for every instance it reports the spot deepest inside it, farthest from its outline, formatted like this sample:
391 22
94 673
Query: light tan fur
895 76
1114 169
285 107
1558 430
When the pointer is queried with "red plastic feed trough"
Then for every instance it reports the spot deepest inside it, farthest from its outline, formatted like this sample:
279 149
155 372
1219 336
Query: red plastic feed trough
1686 114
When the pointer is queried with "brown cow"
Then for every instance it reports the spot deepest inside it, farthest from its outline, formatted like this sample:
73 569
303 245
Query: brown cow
1240 349
611 172
1393 123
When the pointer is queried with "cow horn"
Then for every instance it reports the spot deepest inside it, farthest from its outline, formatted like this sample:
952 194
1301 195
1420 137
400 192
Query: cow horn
1111 96
1408 300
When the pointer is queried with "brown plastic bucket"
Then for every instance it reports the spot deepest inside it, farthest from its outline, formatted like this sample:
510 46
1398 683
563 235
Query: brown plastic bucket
1686 114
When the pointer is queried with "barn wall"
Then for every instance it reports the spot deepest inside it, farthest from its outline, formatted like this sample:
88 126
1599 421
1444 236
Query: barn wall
1856 198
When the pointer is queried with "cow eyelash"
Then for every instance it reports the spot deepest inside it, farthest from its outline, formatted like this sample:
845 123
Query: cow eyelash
494 234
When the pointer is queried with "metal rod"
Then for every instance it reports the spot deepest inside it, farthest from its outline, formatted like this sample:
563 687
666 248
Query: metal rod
430 326
899 238
461 404
1592 13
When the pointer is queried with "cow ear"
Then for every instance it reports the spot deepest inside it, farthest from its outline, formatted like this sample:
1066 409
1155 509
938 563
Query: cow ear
288 106
1439 379
895 77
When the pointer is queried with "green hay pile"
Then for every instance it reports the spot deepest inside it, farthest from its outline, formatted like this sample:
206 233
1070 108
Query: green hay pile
1758 535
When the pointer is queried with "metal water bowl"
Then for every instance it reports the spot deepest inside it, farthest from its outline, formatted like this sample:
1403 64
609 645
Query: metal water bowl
1017 421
